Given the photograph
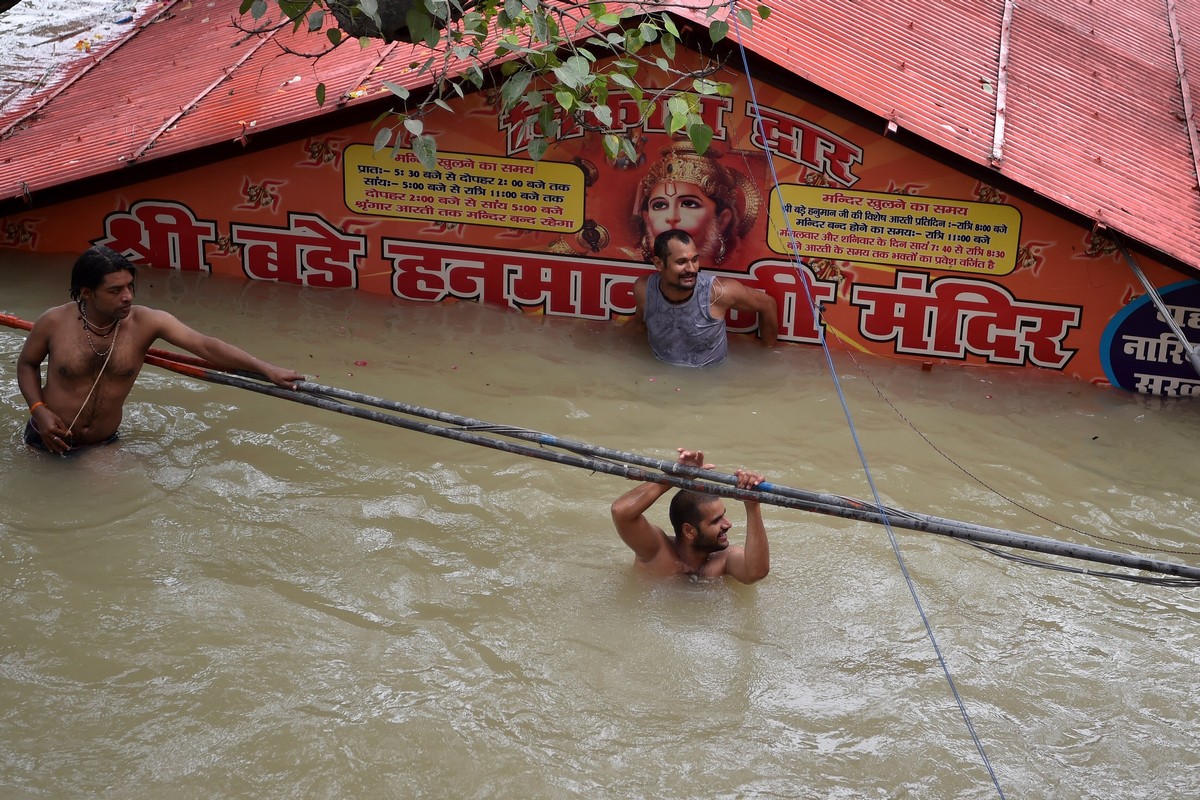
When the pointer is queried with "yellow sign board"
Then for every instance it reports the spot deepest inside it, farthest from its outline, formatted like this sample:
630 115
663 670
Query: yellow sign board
465 189
895 229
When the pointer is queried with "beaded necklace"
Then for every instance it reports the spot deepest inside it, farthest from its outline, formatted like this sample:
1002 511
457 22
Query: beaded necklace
102 331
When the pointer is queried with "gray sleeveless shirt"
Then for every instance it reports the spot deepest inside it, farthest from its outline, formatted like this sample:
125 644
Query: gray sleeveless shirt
685 333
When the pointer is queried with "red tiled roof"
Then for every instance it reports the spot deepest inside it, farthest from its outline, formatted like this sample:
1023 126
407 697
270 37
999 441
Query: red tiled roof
1085 104
183 79
1079 101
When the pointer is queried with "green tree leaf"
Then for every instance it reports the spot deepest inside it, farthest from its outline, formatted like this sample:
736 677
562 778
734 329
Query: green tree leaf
294 9
575 72
718 30
668 46
633 41
676 123
547 121
396 89
513 89
420 23
541 30
425 149
701 136
382 137
678 105
629 149
603 115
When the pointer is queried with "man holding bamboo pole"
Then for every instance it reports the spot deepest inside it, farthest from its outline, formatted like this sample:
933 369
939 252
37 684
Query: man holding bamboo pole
700 545
96 346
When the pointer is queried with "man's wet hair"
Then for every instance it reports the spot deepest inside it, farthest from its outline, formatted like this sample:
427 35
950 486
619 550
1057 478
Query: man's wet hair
662 242
95 263
686 507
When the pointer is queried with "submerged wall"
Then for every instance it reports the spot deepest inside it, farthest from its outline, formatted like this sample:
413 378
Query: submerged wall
906 256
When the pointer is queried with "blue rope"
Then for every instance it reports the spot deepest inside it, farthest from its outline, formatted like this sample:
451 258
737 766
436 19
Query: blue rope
850 421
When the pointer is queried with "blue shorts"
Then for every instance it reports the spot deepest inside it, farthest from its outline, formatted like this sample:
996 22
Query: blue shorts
33 438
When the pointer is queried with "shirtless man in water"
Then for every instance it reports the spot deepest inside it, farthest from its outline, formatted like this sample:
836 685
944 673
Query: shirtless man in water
700 545
96 346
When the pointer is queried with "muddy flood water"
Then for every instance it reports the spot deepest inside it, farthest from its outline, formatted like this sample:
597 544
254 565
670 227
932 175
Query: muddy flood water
248 597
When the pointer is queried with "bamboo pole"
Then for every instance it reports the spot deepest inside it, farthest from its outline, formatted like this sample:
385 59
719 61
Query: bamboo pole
636 467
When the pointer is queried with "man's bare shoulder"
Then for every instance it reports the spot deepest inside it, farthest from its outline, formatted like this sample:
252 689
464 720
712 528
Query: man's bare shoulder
664 551
57 315
727 287
146 314
662 564
729 293
50 326
639 293
151 322
667 562
720 561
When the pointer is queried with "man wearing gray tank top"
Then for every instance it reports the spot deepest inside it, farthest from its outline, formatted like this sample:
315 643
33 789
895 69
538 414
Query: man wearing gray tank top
684 309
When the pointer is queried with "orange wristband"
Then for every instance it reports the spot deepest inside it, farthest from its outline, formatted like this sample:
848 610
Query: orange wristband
33 407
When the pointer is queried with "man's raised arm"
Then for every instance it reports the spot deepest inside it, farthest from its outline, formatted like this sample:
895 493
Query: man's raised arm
754 561
629 511
735 294
629 517
223 354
